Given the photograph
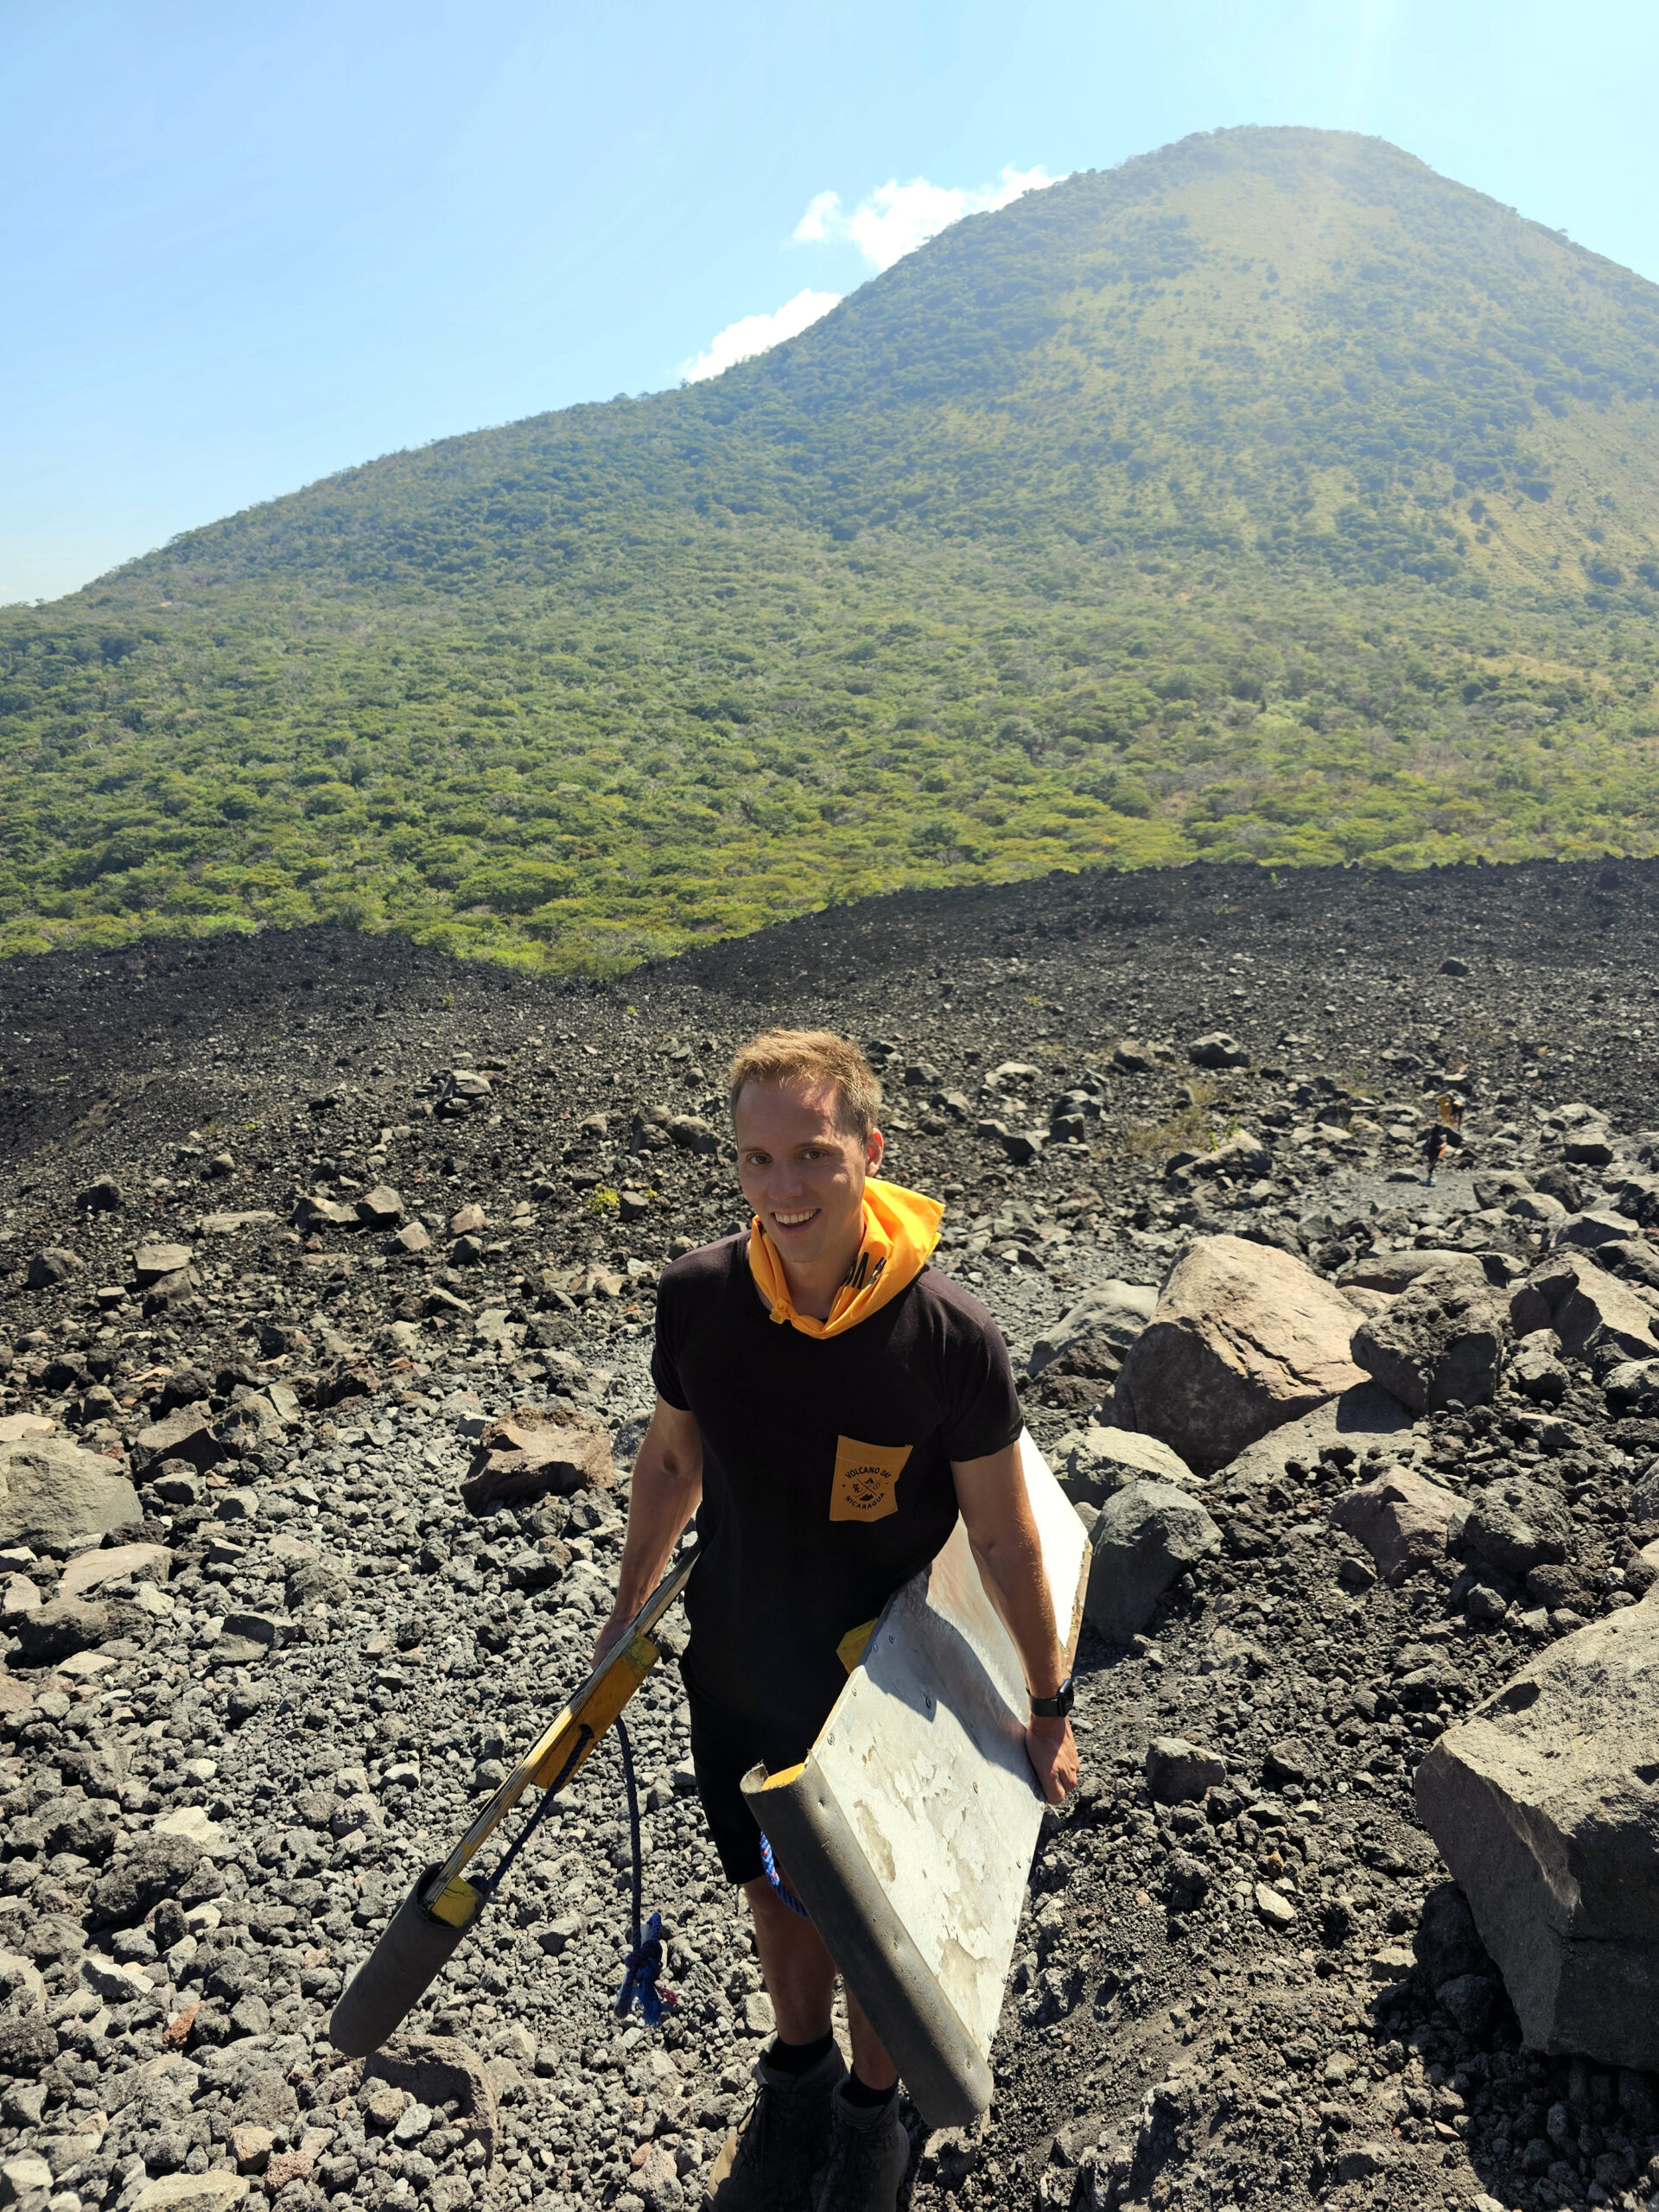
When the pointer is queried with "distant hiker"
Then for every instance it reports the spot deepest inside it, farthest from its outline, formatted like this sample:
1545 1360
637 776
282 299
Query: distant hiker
770 1347
1437 1143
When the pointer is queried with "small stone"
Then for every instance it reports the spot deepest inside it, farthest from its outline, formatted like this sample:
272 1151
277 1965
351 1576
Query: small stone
23 2175
1290 1760
209 2192
466 1221
1363 2162
380 1208
1274 1908
252 2148
151 1262
1179 1773
1218 1050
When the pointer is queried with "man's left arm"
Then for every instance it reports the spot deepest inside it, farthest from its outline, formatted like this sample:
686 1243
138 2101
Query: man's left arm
996 1512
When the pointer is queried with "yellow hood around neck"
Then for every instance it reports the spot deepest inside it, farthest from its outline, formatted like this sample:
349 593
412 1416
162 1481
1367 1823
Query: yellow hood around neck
900 1230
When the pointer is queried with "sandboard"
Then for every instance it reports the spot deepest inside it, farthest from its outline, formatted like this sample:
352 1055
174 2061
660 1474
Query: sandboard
908 1830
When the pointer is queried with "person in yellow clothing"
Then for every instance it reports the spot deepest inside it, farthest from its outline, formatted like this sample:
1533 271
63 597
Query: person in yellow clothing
827 1404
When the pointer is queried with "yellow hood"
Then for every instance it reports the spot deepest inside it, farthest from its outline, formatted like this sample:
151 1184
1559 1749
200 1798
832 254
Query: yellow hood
900 1230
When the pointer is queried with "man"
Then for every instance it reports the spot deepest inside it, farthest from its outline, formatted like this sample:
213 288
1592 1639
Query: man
827 1405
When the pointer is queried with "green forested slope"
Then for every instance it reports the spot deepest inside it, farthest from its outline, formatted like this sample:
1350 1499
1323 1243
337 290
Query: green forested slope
1268 496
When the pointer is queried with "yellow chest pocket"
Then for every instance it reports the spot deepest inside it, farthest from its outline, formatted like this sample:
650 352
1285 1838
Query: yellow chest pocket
866 1475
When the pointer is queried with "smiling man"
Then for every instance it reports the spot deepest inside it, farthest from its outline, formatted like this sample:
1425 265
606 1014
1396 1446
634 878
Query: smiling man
827 1404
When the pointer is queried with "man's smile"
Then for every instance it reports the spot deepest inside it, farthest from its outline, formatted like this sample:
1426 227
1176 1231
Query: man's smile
797 1219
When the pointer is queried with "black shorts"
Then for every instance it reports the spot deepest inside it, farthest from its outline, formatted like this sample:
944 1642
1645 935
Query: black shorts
724 1746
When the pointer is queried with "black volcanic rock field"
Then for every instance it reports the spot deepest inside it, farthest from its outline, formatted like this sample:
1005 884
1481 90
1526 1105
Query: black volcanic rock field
290 1221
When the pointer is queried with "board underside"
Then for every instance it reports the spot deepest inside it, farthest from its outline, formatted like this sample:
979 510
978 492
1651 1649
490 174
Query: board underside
909 1830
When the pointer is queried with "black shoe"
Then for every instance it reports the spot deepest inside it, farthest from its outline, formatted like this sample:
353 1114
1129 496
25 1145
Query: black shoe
869 2152
767 2164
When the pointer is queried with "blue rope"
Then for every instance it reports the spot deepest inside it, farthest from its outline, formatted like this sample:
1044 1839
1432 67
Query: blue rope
780 1888
645 1959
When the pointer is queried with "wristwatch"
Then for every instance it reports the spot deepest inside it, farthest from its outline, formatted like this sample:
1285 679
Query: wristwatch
1057 1707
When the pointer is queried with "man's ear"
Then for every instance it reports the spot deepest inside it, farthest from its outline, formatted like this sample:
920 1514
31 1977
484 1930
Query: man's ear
875 1146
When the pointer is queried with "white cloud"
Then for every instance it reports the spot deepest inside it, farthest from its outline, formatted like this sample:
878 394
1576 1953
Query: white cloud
755 334
895 219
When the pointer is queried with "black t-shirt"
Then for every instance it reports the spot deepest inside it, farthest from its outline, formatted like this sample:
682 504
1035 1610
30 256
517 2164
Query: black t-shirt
826 1472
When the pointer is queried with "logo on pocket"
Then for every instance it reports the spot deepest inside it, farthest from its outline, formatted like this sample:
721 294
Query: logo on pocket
865 1479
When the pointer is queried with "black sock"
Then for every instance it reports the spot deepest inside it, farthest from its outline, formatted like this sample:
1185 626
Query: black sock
860 2093
797 2059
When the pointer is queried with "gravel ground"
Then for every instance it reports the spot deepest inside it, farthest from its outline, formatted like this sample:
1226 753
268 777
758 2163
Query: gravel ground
333 1659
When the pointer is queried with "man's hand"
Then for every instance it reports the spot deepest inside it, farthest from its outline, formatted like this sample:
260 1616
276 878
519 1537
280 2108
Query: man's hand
610 1635
1052 1752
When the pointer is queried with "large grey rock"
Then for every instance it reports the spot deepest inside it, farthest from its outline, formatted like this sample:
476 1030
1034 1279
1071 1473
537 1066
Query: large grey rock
1634 1260
1141 1540
1537 1209
1396 1271
67 1625
186 1434
1401 1520
1218 1050
156 1867
1516 1526
153 1262
1545 1804
1535 1367
380 1208
1244 1339
119 1563
440 2070
1101 1461
540 1451
1633 1387
1440 1342
49 1268
1638 1197
1595 1315
55 1495
1112 1315
1587 1231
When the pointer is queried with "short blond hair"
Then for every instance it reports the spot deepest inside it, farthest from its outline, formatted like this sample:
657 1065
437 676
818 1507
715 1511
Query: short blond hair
813 1056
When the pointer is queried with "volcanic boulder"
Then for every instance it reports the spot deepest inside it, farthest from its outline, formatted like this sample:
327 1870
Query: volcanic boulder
1105 1322
1516 1526
185 1434
539 1452
1594 1314
49 1268
1101 1461
1400 1519
55 1495
1442 1341
1545 1804
1244 1339
1141 1541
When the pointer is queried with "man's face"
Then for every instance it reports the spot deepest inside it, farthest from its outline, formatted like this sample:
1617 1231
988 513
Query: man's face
801 1171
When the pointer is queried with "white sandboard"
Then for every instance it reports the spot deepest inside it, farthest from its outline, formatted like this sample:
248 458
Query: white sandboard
908 1831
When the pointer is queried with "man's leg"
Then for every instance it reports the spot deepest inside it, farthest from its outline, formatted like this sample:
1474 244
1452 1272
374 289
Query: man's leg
800 1979
870 2151
799 1974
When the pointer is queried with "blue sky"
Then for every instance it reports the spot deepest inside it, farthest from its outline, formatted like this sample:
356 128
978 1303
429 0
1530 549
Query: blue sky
247 246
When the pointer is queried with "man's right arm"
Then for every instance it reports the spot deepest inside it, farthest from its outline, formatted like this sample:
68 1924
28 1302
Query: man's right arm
665 1491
